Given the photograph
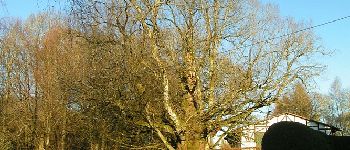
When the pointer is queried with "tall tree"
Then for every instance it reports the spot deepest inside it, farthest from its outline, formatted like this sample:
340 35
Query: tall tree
333 107
189 42
121 74
336 106
16 86
298 102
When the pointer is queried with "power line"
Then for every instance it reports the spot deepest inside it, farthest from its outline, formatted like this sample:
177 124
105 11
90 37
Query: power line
287 34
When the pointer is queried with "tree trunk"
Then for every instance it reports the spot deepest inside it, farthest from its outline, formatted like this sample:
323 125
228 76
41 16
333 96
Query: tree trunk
63 136
41 144
62 140
94 146
193 144
47 141
47 132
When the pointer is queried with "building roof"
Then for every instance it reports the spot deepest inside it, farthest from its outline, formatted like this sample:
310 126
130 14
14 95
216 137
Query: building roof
333 128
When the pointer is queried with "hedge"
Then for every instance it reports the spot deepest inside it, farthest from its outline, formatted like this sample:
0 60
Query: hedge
295 136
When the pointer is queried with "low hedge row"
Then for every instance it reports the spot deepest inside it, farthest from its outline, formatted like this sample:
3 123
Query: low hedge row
340 142
296 136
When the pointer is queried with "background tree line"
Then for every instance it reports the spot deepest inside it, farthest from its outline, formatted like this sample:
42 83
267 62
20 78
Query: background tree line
331 108
123 74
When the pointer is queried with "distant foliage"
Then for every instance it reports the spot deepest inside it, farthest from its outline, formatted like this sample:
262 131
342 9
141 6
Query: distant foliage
297 102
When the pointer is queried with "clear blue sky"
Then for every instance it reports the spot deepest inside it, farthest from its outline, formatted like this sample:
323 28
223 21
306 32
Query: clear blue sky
335 36
24 8
20 8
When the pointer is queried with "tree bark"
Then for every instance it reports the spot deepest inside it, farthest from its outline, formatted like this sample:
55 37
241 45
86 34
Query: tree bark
193 144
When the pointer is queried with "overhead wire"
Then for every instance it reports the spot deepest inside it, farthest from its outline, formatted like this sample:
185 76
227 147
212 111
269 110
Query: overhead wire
287 34
281 36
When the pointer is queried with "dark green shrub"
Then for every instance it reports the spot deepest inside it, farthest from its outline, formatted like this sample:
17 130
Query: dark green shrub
294 136
340 142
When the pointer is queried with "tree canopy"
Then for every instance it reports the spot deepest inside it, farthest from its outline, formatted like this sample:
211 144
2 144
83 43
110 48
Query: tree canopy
122 74
298 102
334 107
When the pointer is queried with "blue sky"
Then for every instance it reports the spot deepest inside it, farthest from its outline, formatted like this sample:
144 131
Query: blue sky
24 8
335 36
21 8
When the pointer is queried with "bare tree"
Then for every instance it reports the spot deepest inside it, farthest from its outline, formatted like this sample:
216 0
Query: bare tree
121 74
225 54
335 106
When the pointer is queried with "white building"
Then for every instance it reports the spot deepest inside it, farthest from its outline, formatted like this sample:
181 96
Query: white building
252 135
